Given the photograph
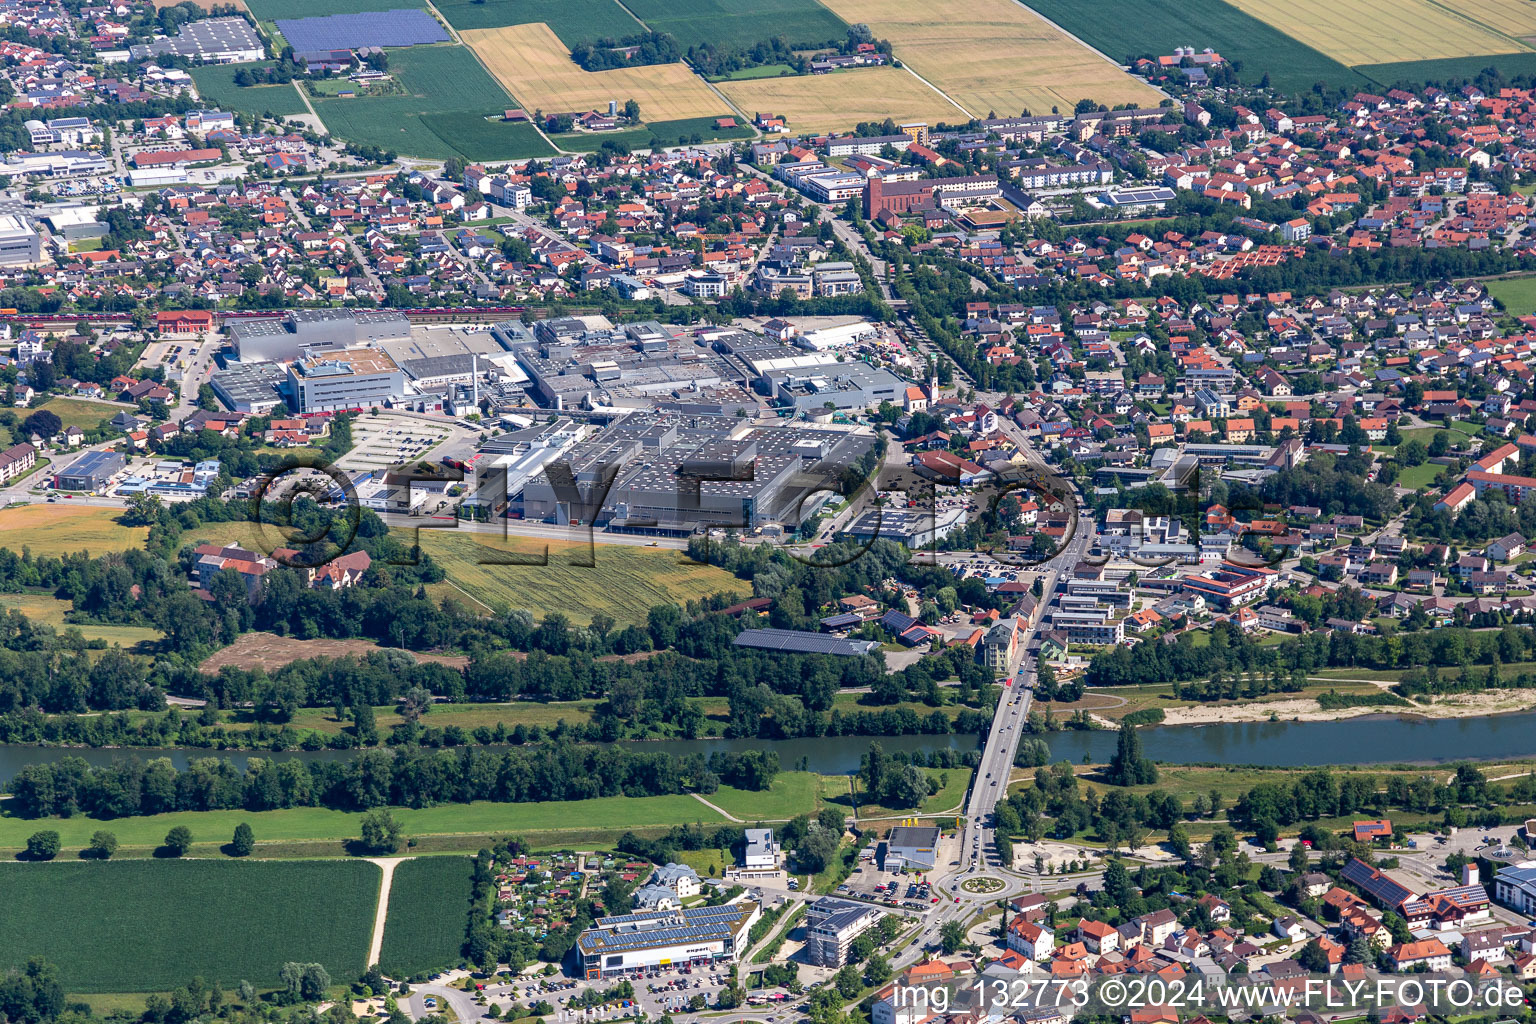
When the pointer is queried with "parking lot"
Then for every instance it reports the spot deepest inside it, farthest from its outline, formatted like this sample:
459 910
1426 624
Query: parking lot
386 440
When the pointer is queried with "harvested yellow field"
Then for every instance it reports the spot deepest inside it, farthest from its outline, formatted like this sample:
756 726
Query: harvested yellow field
841 100
1380 31
1511 17
63 529
995 56
537 70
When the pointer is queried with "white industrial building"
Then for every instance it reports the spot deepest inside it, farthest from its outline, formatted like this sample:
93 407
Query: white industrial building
1515 887
912 846
20 244
354 378
615 946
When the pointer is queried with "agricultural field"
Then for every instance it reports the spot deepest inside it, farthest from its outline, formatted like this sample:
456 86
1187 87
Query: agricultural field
48 609
271 10
692 129
815 103
994 56
1125 29
216 85
62 529
1415 73
1512 17
535 66
448 98
625 581
428 912
138 926
802 23
1380 31
81 412
574 21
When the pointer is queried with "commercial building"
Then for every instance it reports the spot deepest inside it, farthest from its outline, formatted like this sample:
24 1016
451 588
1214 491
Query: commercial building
20 244
831 926
211 41
285 339
914 528
354 378
90 472
254 388
912 846
1515 887
615 946
841 387
1232 585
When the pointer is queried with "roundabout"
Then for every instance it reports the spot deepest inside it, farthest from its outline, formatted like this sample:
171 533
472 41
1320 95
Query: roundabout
983 885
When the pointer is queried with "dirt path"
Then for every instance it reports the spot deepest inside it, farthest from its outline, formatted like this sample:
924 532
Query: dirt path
386 865
717 809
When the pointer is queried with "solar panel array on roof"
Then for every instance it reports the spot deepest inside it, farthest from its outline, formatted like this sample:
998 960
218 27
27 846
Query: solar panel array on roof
794 641
1373 883
650 929
402 27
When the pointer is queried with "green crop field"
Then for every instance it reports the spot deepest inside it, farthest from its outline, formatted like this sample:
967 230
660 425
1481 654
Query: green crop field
216 84
1129 28
625 581
428 911
444 114
574 21
1416 73
271 10
317 824
671 133
741 22
147 926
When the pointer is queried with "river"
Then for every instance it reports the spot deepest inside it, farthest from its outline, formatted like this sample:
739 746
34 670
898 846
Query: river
1372 739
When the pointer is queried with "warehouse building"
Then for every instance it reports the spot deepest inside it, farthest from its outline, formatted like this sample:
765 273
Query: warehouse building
615 946
211 41
912 846
90 472
254 388
285 339
832 925
797 641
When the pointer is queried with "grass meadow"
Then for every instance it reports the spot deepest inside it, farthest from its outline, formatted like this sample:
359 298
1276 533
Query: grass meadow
1518 294
137 926
428 912
216 85
81 412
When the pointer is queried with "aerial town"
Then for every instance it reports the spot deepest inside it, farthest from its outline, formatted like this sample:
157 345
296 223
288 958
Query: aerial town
669 511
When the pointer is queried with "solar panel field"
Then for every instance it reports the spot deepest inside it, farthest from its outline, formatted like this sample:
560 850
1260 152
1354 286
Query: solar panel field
271 10
405 26
741 22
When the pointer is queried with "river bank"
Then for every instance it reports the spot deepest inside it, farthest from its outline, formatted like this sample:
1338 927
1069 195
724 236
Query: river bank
1307 709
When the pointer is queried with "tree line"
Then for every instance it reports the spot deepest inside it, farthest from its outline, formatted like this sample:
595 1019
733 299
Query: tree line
404 777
